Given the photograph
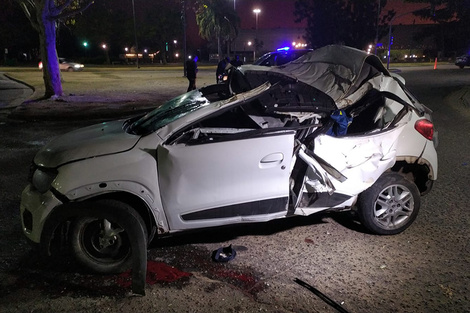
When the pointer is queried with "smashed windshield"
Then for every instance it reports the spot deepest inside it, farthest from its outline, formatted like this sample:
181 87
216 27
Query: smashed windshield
169 112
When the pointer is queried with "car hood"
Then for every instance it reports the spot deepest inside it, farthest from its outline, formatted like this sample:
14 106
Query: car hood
96 140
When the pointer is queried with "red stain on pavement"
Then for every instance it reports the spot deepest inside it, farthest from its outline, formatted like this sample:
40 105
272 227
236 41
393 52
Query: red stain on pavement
245 281
157 272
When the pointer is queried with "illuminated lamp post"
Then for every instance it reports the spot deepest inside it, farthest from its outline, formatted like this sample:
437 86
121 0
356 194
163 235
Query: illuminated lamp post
257 12
249 45
105 48
378 22
185 52
126 56
135 37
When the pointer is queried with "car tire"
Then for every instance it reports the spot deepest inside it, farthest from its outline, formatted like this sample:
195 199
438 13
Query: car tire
390 205
99 237
70 69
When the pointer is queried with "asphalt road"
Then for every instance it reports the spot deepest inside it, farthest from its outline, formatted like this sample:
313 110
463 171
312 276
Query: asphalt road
424 269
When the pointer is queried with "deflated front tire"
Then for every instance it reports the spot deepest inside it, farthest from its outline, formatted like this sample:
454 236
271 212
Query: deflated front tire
99 237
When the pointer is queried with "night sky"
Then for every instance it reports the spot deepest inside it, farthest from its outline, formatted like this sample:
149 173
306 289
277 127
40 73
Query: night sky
280 13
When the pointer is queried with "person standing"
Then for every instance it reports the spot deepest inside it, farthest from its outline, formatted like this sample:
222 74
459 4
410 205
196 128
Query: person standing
191 72
221 69
236 61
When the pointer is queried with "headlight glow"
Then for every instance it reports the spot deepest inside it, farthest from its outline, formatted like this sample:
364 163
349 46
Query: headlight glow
42 180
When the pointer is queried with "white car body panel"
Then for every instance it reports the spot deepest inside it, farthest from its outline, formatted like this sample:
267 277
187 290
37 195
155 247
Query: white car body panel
360 159
214 175
123 172
40 206
101 139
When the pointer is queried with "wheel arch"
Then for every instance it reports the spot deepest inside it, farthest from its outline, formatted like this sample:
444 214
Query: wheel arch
420 174
55 233
139 205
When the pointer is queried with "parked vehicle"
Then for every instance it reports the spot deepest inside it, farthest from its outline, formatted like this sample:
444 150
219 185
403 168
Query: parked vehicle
66 65
462 61
275 58
331 131
280 56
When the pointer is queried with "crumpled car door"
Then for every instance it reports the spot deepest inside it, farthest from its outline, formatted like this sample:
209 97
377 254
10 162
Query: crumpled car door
340 168
226 182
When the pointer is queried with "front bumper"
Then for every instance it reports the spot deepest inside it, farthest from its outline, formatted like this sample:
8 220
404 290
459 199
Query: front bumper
35 207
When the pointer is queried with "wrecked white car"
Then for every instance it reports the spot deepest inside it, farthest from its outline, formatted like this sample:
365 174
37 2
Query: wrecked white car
333 130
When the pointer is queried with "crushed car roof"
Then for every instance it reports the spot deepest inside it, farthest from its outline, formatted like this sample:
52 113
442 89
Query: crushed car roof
336 70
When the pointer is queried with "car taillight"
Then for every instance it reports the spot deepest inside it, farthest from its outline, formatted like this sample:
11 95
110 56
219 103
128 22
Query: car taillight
425 128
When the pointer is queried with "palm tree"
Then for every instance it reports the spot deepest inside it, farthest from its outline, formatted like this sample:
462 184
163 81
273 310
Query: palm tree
217 19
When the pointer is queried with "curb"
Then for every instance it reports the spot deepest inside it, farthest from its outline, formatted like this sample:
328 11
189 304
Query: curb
20 82
22 91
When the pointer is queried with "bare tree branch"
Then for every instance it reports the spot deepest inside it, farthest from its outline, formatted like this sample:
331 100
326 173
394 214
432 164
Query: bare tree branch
29 8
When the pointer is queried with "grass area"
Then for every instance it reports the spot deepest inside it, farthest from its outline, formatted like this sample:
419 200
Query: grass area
112 81
127 79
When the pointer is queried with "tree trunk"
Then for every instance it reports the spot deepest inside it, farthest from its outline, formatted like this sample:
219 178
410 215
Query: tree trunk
47 43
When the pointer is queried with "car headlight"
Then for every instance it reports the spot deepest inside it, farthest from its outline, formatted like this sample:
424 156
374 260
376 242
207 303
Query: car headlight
43 179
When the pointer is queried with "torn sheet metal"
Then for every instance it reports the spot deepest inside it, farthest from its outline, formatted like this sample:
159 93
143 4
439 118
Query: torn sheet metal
360 159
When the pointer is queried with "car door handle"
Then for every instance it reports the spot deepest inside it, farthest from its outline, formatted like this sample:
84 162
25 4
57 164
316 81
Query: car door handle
272 159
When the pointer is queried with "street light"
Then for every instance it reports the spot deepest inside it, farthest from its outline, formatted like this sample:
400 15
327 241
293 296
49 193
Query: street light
105 48
135 36
183 18
257 12
378 22
249 45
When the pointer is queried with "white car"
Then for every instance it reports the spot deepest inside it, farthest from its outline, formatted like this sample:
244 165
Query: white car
66 65
332 130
